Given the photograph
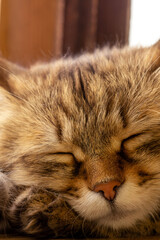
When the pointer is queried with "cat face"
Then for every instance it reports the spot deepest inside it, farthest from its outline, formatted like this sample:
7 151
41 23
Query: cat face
87 128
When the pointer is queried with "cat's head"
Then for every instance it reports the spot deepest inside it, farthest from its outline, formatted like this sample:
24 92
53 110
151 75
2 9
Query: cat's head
89 129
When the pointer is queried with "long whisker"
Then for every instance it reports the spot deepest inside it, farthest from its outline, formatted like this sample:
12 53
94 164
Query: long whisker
150 65
13 94
83 228
23 100
76 217
74 224
149 68
67 213
9 71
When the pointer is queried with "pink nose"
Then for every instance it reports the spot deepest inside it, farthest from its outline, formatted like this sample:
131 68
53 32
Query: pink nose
108 189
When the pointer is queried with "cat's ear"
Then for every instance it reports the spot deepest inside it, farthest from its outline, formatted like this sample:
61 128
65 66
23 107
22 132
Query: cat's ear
154 56
9 76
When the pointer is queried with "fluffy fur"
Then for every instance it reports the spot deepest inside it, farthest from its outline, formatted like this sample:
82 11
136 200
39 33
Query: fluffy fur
68 125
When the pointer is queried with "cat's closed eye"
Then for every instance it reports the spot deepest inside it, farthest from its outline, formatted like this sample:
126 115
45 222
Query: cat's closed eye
63 154
133 141
66 159
131 137
126 145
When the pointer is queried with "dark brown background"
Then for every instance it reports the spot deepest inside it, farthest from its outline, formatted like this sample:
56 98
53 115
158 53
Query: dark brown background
32 30
25 238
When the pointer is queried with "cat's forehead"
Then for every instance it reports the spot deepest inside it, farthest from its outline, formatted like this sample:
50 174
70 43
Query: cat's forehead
99 134
94 100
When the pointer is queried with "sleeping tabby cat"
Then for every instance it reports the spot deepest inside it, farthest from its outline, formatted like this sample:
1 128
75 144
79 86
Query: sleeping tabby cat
80 145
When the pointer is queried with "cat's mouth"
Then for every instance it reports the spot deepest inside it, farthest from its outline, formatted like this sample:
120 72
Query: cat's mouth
118 213
97 209
115 213
118 219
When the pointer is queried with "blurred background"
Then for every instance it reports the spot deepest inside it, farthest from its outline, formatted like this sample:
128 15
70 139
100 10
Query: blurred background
41 30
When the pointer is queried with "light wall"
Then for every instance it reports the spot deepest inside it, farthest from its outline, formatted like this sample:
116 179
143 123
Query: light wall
145 22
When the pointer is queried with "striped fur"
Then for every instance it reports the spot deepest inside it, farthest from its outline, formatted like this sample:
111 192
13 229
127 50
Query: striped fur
70 124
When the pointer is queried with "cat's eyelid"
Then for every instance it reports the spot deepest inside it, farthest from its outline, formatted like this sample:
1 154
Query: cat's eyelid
132 136
60 153
66 153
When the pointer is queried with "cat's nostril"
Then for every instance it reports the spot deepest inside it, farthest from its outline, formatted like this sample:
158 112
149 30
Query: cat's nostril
108 189
115 188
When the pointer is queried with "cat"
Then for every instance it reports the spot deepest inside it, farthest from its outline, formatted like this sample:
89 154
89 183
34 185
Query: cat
80 145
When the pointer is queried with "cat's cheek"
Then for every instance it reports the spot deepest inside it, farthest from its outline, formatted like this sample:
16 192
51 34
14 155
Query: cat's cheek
143 200
90 205
133 204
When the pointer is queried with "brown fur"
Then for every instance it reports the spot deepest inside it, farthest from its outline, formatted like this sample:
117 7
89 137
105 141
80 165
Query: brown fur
68 125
